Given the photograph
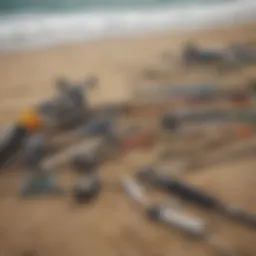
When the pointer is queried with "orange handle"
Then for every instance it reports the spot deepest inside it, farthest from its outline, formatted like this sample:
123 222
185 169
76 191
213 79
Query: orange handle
30 120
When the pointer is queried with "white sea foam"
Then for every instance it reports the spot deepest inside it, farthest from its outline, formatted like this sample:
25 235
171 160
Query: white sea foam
40 30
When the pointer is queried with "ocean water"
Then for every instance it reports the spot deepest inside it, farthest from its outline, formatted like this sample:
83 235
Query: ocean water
26 24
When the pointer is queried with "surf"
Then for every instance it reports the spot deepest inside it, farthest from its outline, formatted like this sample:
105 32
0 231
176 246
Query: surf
24 31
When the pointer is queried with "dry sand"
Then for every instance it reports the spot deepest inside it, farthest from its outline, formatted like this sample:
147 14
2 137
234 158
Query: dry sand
111 226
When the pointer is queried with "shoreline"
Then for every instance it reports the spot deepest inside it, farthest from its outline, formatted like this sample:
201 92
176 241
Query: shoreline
34 31
171 32
179 31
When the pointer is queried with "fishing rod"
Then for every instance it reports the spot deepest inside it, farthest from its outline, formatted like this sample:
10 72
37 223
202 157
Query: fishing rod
203 91
172 120
171 217
28 123
195 195
190 225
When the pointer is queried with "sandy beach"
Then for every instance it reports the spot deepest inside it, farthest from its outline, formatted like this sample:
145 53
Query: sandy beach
113 226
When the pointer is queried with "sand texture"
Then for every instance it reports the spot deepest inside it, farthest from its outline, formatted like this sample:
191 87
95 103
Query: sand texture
113 225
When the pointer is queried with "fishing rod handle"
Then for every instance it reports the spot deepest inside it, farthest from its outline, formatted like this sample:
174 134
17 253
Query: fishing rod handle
133 190
177 187
187 224
187 192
